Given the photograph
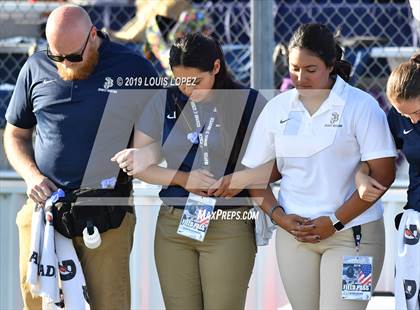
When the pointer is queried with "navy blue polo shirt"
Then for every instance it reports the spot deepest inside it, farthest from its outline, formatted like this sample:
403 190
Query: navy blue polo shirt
67 114
162 120
407 139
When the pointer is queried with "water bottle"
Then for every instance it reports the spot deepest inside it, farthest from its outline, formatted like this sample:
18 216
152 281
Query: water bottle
91 236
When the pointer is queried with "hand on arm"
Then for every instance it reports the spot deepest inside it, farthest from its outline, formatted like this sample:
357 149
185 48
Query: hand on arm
369 189
382 169
142 163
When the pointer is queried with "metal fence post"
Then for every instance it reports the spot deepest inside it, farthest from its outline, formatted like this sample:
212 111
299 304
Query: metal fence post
262 44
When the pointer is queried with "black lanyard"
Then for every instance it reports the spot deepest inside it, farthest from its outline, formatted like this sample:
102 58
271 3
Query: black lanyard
357 234
203 138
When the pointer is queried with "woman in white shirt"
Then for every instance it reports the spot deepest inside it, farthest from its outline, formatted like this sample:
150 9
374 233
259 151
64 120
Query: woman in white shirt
318 133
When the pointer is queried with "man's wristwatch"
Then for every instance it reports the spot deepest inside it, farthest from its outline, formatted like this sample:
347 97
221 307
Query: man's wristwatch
271 211
336 222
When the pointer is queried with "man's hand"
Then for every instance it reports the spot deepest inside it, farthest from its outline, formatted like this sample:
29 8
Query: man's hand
40 188
19 151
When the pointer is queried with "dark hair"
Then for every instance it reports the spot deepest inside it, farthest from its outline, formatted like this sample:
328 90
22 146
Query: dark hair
196 50
404 81
318 39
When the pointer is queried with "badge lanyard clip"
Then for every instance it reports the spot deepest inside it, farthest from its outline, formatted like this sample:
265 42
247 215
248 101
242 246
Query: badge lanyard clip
357 234
357 272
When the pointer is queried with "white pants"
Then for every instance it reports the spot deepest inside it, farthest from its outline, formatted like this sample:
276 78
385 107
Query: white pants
311 272
407 269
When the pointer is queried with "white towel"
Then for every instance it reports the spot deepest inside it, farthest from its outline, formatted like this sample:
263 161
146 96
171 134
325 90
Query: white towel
72 279
52 253
264 228
407 271
47 271
36 241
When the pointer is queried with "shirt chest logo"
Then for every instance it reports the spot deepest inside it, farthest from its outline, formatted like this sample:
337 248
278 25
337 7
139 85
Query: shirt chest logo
334 120
46 82
108 83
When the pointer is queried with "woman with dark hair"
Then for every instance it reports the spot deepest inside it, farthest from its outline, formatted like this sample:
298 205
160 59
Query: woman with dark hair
403 90
318 133
200 129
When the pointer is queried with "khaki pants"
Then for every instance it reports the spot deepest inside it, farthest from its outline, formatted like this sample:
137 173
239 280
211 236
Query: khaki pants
212 274
311 273
106 269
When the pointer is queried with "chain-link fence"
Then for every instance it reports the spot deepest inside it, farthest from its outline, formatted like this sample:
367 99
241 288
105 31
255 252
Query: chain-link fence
365 26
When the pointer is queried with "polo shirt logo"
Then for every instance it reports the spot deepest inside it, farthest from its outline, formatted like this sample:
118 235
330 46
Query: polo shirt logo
109 82
335 117
46 82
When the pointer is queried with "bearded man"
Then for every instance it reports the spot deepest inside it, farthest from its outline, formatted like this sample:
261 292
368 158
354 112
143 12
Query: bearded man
62 93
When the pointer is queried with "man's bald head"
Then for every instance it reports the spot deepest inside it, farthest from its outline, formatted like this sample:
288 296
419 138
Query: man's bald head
67 19
70 31
67 28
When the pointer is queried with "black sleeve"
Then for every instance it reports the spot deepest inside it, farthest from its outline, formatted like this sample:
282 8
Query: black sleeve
258 105
394 125
253 107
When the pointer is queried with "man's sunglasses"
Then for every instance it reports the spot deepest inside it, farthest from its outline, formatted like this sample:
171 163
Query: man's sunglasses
71 57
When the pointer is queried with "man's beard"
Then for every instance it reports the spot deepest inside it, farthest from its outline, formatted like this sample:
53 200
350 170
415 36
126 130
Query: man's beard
80 73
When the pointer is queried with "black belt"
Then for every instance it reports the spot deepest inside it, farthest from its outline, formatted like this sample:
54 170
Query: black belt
129 209
70 217
217 207
72 195
182 207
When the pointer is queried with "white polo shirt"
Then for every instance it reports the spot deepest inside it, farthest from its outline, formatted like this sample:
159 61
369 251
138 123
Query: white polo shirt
319 155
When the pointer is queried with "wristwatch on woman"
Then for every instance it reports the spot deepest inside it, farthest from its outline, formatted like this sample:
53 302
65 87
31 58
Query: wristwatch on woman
271 211
336 222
